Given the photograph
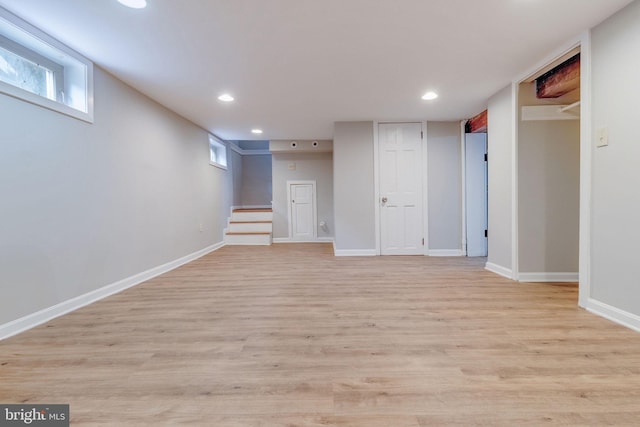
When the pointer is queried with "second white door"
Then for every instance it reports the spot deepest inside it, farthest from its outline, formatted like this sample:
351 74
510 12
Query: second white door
401 211
302 211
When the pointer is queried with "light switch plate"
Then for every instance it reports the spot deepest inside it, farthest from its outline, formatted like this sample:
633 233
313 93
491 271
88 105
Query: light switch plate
602 137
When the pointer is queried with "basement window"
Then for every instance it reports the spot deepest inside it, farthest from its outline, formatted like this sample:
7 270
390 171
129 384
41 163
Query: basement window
38 69
217 152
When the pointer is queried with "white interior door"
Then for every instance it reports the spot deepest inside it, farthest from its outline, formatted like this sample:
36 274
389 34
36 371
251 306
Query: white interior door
302 211
401 210
476 193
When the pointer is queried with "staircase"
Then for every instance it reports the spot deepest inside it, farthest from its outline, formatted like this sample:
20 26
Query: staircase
249 227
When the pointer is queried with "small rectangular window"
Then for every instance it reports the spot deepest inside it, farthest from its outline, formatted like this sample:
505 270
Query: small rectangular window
217 153
30 71
38 69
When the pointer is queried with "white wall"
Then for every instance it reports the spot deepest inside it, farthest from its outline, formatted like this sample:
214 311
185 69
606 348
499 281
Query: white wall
354 189
86 205
256 180
445 187
308 167
548 192
499 142
616 174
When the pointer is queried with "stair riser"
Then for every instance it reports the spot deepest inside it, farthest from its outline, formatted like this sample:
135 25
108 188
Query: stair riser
251 216
248 239
250 227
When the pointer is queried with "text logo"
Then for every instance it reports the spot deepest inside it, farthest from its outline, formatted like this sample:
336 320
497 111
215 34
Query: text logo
34 415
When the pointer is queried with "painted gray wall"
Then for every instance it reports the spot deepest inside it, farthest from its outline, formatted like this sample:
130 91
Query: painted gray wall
86 205
253 145
445 187
235 164
499 148
256 180
615 197
549 191
354 189
308 167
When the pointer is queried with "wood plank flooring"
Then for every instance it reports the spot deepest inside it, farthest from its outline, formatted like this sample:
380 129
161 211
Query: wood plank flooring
288 335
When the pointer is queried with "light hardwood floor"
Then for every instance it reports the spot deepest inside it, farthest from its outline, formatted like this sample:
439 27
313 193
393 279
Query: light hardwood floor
289 335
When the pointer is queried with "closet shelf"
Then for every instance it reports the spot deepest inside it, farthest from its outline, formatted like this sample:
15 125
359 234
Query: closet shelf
571 108
551 112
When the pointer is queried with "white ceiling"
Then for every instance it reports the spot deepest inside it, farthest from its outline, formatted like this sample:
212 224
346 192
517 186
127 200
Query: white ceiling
297 66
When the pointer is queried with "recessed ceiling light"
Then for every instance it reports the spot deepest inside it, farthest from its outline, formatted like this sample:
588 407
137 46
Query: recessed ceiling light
134 4
429 96
256 131
226 97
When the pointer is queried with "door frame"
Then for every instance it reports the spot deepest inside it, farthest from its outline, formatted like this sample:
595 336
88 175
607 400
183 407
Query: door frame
583 41
376 178
463 180
290 205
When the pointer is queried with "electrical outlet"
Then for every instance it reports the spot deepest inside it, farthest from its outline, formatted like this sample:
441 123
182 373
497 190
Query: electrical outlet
602 137
201 227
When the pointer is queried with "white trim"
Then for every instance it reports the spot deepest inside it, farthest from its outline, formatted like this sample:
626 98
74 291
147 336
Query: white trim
446 252
219 147
499 270
38 318
217 165
376 186
584 268
234 148
37 40
463 168
260 240
290 207
355 252
425 188
278 240
584 42
614 314
548 277
515 265
244 152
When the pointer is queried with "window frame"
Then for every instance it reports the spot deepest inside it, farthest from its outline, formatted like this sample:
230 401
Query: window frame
35 58
73 73
217 146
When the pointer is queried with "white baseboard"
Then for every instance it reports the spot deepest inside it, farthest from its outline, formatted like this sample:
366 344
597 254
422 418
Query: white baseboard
353 252
548 277
498 269
614 314
35 319
288 240
446 252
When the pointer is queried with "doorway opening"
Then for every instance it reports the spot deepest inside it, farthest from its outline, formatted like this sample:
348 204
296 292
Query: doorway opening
475 193
548 172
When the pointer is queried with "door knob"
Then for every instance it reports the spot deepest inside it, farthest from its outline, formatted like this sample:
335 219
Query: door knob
384 200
